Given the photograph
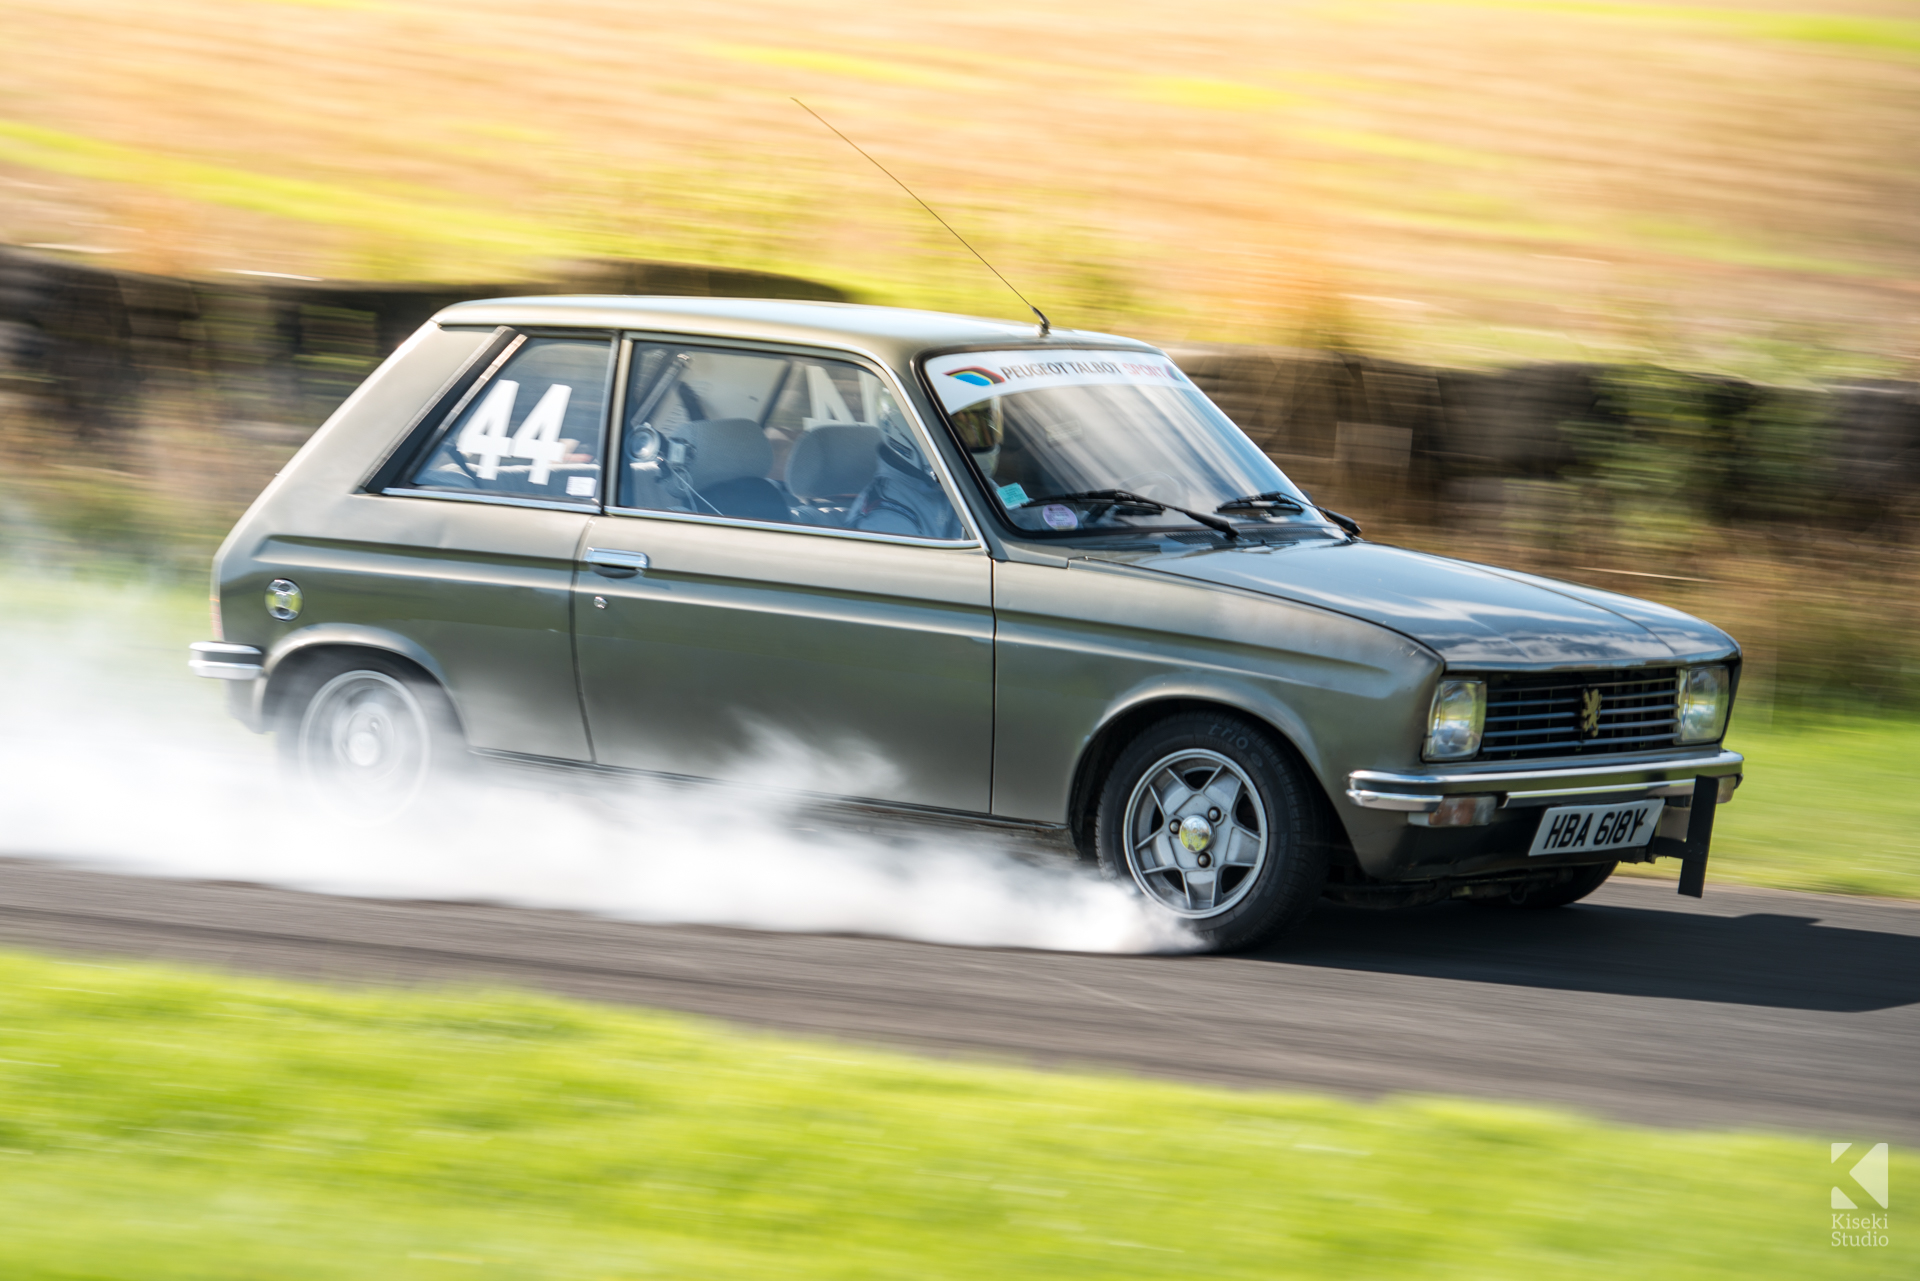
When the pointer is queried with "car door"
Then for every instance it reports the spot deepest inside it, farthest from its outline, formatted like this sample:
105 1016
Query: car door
467 546
782 591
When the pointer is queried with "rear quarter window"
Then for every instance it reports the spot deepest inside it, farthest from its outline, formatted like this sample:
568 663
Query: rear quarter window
534 429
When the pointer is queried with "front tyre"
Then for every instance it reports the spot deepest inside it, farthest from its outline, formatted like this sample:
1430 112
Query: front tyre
1215 825
366 736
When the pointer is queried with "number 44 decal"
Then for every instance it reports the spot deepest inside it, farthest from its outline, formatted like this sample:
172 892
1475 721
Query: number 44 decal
538 440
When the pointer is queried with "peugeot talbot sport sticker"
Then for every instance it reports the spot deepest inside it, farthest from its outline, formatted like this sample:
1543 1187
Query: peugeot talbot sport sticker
967 378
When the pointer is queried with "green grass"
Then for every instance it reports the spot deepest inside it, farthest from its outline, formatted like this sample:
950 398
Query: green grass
158 1123
1831 805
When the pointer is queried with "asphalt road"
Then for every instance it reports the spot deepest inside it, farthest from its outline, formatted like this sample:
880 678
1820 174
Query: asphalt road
1747 1008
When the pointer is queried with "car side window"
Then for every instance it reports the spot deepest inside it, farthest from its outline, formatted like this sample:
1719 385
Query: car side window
795 440
533 430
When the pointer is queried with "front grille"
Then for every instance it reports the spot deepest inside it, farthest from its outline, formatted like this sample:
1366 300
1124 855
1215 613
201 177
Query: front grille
1546 715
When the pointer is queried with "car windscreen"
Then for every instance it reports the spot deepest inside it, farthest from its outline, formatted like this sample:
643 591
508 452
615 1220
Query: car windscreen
1062 438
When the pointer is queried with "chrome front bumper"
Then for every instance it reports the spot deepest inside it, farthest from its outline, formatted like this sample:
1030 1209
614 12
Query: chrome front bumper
1517 789
217 660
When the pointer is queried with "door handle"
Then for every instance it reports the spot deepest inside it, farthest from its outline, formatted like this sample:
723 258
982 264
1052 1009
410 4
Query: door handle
615 564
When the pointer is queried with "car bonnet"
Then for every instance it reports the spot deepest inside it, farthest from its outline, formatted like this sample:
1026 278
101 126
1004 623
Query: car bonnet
1472 615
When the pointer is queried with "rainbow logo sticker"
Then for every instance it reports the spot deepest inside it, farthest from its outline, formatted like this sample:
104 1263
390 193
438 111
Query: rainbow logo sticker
977 376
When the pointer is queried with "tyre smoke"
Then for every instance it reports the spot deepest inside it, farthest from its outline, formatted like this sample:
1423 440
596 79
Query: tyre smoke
113 755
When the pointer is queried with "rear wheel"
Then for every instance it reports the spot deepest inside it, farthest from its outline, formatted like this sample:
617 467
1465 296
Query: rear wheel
367 736
1213 823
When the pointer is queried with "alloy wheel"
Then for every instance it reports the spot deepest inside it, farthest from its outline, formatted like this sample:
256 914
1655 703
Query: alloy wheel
1196 833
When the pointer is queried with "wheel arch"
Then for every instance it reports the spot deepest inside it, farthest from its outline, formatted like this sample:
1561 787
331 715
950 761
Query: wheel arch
299 651
1111 737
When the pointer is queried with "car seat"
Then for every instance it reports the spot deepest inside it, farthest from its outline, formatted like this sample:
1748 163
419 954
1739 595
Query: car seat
727 464
832 462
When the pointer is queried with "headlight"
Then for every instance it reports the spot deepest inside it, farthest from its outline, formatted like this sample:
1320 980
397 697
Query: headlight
1705 696
1459 714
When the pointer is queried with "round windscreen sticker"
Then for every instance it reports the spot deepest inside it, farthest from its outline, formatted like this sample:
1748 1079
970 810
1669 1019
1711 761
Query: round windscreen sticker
1058 516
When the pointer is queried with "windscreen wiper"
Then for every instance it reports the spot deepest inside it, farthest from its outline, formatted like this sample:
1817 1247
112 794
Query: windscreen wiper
1278 498
1262 502
1347 523
1117 497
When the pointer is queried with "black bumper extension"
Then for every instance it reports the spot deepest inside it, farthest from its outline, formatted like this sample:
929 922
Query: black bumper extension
1692 852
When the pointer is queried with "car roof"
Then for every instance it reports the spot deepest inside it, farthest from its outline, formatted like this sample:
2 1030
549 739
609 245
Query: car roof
891 334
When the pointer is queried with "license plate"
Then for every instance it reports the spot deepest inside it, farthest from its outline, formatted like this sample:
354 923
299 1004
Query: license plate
1578 829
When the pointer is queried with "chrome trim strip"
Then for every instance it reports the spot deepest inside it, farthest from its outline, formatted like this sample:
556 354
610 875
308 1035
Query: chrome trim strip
227 648
1394 801
498 500
1722 762
220 661
1378 789
225 671
1683 787
1422 803
1521 667
733 522
1547 795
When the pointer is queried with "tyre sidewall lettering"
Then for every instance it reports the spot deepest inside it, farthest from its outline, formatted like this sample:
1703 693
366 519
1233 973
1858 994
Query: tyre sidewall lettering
1232 736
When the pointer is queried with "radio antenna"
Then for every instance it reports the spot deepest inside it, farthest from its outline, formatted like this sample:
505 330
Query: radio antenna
1046 326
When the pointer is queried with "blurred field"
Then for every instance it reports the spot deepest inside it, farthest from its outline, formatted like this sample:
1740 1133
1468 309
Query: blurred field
1703 187
1710 185
162 1123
